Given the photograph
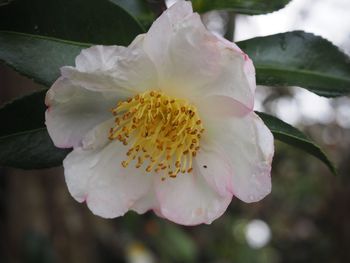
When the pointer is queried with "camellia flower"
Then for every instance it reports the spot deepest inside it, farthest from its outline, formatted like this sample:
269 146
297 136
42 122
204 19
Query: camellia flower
165 124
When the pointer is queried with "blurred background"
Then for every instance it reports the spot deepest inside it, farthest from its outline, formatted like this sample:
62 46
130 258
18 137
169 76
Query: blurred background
305 218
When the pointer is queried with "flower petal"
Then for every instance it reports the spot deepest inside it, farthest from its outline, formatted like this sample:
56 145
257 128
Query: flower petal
158 38
73 111
236 77
193 62
97 177
248 146
146 203
126 70
189 200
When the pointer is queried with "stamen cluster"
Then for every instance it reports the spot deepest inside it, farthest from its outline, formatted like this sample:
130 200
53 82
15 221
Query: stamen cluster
164 132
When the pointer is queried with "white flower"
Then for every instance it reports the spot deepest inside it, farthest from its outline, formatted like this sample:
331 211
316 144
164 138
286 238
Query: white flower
183 139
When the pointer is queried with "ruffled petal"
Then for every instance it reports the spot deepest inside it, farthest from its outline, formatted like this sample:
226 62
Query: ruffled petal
98 137
126 70
247 145
97 177
73 111
189 200
158 37
193 62
146 203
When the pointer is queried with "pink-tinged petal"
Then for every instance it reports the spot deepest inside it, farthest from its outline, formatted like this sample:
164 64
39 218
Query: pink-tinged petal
192 62
189 200
248 145
73 111
97 177
213 164
126 70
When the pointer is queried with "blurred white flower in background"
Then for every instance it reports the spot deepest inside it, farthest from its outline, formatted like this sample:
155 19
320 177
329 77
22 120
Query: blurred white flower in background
257 233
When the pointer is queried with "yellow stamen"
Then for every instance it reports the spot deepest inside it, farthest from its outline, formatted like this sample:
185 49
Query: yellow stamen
166 129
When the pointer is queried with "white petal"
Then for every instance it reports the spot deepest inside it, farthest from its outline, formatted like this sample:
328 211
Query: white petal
105 68
193 62
97 177
189 200
248 145
73 111
98 137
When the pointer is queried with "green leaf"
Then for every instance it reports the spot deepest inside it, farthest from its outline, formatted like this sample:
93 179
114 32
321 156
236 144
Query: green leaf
174 242
251 7
288 134
24 141
38 58
138 9
300 59
92 21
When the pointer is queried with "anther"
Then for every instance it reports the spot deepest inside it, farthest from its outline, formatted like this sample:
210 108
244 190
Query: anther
164 128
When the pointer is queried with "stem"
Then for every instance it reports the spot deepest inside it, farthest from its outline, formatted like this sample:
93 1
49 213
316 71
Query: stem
230 31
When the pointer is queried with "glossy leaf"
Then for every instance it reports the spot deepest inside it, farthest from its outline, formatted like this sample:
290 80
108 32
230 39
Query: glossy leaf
252 7
138 9
288 134
24 141
300 59
38 58
4 2
91 21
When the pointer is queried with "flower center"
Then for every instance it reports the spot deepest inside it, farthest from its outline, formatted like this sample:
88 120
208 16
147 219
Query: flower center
164 132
